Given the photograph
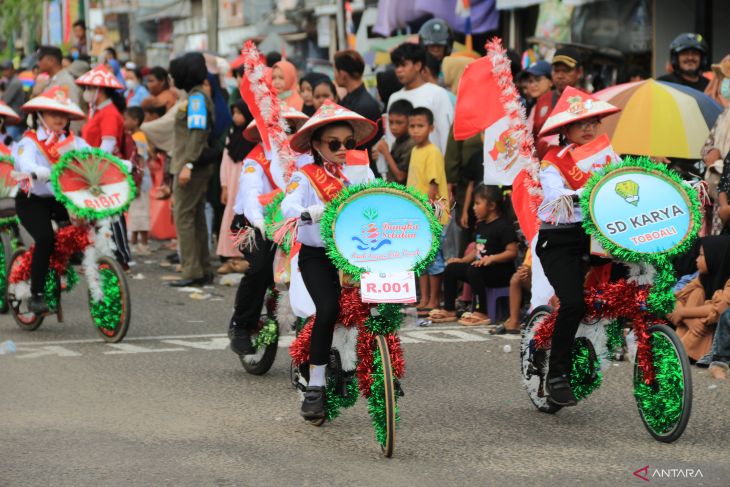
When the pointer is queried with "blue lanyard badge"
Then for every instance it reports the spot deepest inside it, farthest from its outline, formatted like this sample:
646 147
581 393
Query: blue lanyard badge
197 113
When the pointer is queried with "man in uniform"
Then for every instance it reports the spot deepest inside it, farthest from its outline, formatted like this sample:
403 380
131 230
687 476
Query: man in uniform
191 169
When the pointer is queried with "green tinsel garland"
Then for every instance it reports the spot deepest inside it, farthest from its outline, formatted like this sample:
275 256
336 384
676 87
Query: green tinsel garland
386 320
376 401
334 207
661 297
582 380
89 213
107 312
51 291
267 335
272 215
335 402
661 404
614 336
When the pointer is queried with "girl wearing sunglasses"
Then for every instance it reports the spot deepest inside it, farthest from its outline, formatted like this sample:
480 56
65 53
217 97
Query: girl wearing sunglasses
328 135
562 245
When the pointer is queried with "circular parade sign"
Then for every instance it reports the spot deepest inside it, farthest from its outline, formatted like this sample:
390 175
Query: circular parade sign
92 184
380 227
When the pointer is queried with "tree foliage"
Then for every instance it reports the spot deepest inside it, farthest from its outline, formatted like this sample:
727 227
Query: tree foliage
16 13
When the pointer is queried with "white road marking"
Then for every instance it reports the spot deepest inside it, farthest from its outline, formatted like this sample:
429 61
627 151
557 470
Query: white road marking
219 342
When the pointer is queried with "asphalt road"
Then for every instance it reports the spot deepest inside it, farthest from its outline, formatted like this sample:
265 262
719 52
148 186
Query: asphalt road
171 405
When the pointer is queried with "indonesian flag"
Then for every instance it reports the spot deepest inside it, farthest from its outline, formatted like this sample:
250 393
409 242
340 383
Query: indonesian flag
595 154
502 157
477 101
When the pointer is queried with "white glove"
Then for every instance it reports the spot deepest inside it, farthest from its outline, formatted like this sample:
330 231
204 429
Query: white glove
315 211
260 226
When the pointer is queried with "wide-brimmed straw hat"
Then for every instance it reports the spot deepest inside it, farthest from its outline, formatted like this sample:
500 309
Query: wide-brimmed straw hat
293 117
100 77
575 105
328 113
9 113
54 100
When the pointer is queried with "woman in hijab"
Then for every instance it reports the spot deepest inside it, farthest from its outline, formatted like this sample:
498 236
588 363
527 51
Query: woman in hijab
237 146
453 68
704 299
306 88
388 84
284 79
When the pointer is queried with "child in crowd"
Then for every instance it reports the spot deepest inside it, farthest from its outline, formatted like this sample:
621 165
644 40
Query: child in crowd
701 302
398 156
426 169
491 264
139 210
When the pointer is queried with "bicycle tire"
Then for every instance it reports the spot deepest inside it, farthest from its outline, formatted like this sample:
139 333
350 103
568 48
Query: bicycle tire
533 367
389 397
109 268
261 362
26 320
668 353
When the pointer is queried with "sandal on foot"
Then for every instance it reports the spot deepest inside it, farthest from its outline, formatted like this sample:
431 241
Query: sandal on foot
502 330
471 319
442 316
423 312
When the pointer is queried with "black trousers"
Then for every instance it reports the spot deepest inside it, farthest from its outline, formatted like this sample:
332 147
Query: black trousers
479 278
564 256
119 235
322 280
252 288
35 214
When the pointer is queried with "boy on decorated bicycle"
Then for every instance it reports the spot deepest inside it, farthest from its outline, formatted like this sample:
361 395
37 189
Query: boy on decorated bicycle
562 244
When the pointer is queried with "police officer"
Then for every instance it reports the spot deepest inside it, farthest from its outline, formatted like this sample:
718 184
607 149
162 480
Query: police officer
191 169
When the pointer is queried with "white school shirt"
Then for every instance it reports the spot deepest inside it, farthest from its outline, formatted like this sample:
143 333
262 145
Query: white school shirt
253 182
29 158
301 195
553 187
437 100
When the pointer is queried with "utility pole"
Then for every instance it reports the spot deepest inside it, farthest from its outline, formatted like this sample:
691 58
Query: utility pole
211 16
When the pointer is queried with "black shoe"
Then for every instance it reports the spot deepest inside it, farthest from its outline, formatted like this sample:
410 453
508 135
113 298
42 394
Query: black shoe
313 404
208 279
173 258
559 392
37 304
240 340
198 281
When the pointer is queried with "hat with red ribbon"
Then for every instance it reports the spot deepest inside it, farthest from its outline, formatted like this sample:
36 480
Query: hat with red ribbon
101 77
7 112
573 106
328 113
54 100
293 117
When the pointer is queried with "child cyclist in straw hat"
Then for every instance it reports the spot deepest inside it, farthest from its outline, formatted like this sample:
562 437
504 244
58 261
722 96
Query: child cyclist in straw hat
259 181
562 245
40 148
328 135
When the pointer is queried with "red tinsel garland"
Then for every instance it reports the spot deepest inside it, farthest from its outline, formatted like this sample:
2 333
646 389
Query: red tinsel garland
620 299
69 240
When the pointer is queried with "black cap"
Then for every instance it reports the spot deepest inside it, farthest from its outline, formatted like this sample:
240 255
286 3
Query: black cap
6 65
568 56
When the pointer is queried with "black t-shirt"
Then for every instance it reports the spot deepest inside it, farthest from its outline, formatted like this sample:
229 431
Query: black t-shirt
474 169
492 238
698 85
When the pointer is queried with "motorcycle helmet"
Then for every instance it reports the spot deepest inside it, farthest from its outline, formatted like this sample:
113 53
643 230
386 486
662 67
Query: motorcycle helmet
435 32
685 41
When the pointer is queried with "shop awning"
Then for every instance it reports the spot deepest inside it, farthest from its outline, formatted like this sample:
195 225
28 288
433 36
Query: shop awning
152 11
511 4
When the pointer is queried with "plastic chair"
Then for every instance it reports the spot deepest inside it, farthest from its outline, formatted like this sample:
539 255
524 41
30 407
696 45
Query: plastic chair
494 311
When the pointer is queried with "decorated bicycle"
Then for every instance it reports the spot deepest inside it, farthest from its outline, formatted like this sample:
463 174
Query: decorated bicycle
379 235
641 214
8 223
93 186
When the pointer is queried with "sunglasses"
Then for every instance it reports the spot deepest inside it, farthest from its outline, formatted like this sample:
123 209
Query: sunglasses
334 144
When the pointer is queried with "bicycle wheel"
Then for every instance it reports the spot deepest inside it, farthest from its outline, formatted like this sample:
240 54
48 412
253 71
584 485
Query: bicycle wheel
111 313
666 404
5 250
383 395
266 341
24 318
534 363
